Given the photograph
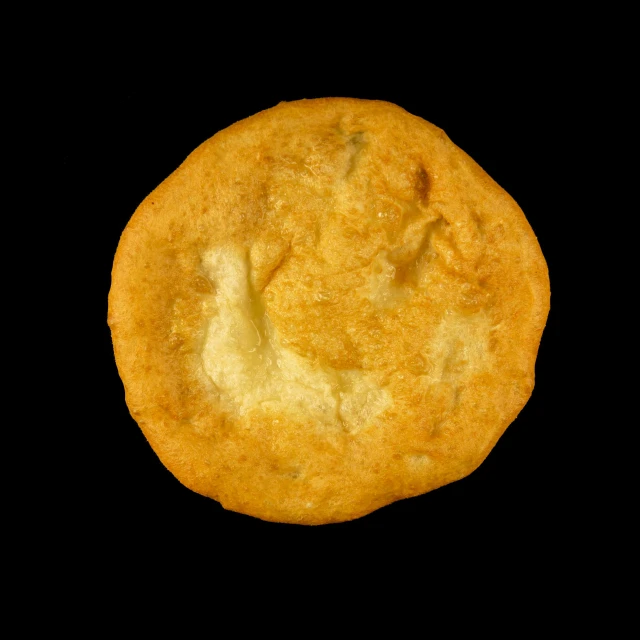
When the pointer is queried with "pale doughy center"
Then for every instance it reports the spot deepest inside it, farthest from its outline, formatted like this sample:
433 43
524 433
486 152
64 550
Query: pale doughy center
244 357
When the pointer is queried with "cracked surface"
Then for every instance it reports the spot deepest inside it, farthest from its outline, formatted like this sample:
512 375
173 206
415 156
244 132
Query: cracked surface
326 308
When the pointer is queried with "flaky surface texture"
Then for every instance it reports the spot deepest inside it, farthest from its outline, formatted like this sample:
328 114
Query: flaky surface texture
328 307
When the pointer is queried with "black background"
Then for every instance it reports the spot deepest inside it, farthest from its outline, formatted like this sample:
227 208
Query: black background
116 141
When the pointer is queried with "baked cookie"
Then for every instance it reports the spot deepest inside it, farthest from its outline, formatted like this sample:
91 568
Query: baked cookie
328 307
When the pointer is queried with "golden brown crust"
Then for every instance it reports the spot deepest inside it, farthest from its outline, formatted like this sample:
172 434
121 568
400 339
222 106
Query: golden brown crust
328 307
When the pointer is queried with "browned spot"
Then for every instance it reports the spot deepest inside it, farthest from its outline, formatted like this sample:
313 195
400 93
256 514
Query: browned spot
422 185
479 224
355 144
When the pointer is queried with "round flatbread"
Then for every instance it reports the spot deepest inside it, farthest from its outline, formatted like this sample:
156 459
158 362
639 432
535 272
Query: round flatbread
327 308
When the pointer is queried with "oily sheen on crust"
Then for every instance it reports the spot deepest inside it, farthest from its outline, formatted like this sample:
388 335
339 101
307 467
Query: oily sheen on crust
327 308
